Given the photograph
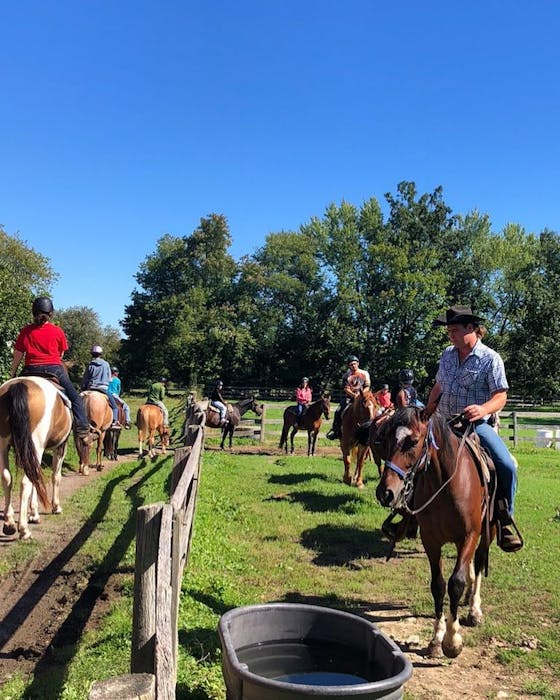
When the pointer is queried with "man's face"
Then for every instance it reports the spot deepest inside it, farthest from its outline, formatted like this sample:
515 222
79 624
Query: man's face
461 336
353 365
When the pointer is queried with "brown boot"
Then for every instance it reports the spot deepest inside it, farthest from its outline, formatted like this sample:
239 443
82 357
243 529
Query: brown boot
508 536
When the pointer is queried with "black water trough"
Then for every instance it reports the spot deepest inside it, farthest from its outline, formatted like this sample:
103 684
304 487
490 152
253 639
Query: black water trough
288 651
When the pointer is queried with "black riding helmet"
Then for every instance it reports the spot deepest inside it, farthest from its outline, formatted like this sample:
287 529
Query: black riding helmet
42 305
406 375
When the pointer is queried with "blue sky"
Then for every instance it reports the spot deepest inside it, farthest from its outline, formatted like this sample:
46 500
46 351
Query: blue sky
124 120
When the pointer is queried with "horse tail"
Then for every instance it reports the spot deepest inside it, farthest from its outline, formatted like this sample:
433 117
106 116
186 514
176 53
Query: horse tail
24 448
284 436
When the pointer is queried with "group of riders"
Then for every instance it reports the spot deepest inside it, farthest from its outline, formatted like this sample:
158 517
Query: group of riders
41 346
470 384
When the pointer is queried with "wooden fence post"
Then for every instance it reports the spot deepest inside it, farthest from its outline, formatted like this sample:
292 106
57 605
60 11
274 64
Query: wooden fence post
514 417
136 686
261 438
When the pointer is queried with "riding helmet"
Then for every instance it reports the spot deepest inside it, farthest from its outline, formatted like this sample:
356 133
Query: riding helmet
42 305
305 379
406 375
115 370
96 350
352 358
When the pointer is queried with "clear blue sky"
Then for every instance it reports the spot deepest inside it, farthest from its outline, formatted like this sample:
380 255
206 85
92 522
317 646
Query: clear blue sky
124 120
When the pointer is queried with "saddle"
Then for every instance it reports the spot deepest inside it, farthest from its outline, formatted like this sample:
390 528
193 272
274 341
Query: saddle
53 379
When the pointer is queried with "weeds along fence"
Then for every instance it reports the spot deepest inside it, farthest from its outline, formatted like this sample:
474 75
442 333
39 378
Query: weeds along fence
163 538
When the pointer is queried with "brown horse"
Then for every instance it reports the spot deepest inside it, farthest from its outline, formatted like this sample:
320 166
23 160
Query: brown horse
34 417
100 416
234 413
362 409
112 436
310 421
149 419
432 473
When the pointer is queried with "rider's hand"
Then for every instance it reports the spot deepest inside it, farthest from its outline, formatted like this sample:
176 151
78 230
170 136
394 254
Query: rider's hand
473 412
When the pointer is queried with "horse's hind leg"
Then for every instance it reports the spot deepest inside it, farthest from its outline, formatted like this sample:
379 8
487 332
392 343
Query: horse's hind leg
58 459
9 520
292 434
475 616
359 473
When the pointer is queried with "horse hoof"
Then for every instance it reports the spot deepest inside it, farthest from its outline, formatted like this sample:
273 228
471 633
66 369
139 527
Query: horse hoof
25 534
434 650
9 529
85 471
453 650
57 510
474 619
347 480
360 485
35 519
100 467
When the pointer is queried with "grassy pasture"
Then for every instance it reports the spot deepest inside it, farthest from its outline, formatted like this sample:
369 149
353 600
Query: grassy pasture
277 528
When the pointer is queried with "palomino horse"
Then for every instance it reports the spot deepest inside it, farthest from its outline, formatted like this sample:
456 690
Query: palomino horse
310 421
100 416
34 417
149 419
432 473
362 409
234 413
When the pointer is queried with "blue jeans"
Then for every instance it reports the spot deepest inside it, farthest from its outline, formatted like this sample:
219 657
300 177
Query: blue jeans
59 371
221 408
506 469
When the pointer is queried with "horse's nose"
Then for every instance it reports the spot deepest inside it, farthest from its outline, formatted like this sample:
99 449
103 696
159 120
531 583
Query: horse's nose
384 496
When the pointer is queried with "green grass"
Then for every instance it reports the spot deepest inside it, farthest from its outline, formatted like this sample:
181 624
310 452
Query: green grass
272 528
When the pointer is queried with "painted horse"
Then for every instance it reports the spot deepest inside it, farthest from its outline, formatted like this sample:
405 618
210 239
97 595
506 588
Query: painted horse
233 416
100 416
436 475
362 410
34 417
310 421
149 420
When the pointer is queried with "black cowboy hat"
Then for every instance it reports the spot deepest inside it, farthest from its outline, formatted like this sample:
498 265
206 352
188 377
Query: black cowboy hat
457 315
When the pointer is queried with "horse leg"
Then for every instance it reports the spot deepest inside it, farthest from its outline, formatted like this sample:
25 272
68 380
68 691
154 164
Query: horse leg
34 516
475 616
9 520
311 440
98 454
347 459
292 434
452 643
360 459
26 489
437 586
140 441
58 459
151 443
284 437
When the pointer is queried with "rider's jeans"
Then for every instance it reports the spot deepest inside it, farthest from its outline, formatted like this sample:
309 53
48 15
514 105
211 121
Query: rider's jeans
506 469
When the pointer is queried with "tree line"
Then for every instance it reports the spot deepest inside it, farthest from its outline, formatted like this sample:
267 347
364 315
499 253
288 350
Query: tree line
355 280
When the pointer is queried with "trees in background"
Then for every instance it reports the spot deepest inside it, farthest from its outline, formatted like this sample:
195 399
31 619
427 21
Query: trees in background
352 281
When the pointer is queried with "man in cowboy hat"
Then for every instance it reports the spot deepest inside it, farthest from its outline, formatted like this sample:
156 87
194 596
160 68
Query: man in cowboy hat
471 381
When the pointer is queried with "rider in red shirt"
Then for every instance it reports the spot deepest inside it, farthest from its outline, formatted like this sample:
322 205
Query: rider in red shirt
303 397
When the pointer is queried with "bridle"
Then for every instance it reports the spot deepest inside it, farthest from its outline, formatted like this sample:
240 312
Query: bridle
422 463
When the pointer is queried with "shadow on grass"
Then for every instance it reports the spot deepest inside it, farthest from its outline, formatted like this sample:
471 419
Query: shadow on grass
291 479
342 546
51 671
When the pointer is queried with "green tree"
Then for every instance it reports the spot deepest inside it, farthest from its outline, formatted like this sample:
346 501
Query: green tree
24 275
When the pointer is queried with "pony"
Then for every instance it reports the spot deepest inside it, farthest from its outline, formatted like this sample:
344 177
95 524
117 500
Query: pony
361 411
34 417
234 413
100 416
434 474
310 421
149 419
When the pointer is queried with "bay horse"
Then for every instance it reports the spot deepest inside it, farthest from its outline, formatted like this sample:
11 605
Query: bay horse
432 473
100 415
149 420
310 421
362 409
233 416
112 436
34 417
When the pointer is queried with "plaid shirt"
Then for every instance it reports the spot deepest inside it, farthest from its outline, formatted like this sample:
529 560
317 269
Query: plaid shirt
474 381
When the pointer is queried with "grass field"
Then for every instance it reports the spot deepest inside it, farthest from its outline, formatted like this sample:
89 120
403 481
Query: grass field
278 528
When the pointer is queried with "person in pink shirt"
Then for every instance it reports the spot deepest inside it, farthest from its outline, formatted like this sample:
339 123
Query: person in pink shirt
303 397
383 396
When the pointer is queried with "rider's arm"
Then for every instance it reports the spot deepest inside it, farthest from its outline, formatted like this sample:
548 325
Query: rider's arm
17 358
494 405
433 398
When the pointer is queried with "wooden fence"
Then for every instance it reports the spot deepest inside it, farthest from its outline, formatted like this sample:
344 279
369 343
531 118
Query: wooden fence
521 426
163 537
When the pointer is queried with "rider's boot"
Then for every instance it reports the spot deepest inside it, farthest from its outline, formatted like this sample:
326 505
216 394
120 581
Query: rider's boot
334 432
508 536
